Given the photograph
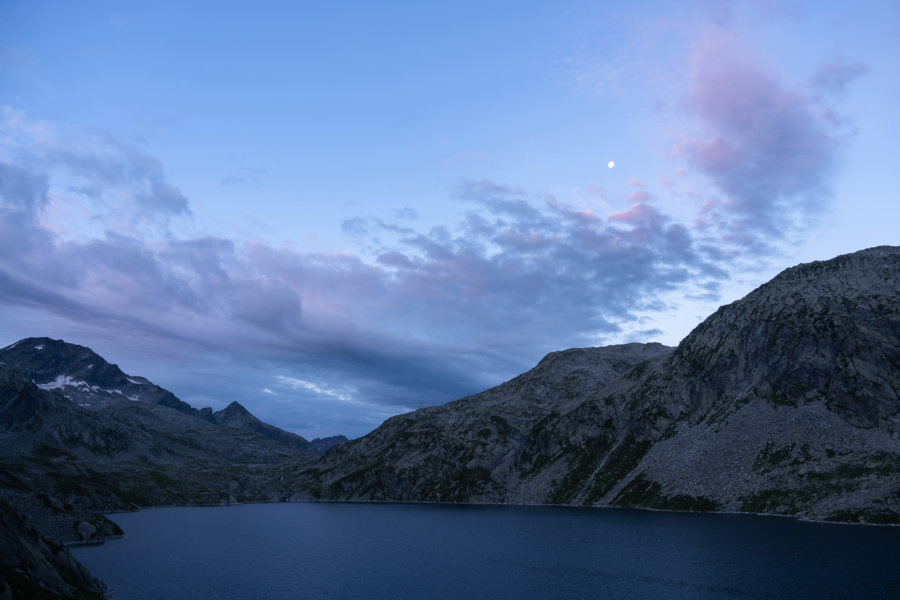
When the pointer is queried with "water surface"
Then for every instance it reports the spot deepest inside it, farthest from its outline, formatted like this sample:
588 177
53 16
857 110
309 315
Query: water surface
391 551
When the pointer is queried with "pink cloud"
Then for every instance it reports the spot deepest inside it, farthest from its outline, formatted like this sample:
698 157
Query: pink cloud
639 196
638 215
768 147
715 154
585 216
670 180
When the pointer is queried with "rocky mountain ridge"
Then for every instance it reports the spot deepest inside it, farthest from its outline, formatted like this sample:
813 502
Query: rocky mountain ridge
784 402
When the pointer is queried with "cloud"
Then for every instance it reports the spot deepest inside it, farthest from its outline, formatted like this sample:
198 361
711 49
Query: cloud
640 196
115 184
355 227
248 176
428 316
23 194
416 316
129 184
833 76
768 148
300 384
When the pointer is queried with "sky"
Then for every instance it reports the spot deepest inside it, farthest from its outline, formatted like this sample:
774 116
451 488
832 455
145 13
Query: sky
335 212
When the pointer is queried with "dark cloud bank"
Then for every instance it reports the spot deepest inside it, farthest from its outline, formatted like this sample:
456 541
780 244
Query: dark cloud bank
423 317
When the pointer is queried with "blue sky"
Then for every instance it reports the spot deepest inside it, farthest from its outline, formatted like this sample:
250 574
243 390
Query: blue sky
336 212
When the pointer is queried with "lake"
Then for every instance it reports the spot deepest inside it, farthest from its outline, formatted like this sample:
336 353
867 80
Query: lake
392 551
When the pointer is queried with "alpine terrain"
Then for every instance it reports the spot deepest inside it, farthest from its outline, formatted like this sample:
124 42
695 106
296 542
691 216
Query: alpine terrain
785 402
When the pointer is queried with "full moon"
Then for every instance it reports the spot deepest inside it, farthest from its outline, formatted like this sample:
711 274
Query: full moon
610 164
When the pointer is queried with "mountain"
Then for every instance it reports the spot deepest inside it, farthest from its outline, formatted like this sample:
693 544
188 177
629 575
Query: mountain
471 449
784 402
237 417
80 437
86 379
82 376
322 445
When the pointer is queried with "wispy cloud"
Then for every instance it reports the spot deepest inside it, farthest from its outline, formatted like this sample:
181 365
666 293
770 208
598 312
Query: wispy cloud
833 76
768 148
300 384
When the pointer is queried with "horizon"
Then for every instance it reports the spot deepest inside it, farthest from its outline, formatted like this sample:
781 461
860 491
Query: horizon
334 214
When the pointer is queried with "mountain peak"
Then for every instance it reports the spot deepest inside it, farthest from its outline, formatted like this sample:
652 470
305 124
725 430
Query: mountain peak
81 375
234 413
826 329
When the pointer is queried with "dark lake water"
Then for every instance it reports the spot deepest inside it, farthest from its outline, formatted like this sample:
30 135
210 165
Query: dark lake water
293 551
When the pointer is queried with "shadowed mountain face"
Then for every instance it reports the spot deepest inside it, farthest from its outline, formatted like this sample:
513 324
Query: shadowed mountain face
82 376
34 567
78 437
784 402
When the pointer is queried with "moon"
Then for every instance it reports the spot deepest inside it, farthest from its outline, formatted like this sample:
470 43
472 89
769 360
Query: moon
610 164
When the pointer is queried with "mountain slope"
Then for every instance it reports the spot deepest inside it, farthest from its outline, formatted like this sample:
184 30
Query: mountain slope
33 567
236 416
78 437
82 376
73 450
783 402
461 450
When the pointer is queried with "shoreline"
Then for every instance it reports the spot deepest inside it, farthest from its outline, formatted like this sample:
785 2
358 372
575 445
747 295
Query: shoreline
800 518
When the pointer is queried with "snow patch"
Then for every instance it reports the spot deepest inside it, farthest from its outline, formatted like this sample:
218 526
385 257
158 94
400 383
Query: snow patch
61 381
64 381
133 398
39 347
134 381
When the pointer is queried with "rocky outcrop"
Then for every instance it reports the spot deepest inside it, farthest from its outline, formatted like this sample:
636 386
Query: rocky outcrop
33 567
322 445
785 402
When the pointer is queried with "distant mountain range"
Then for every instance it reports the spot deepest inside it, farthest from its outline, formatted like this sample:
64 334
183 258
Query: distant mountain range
785 402
88 381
